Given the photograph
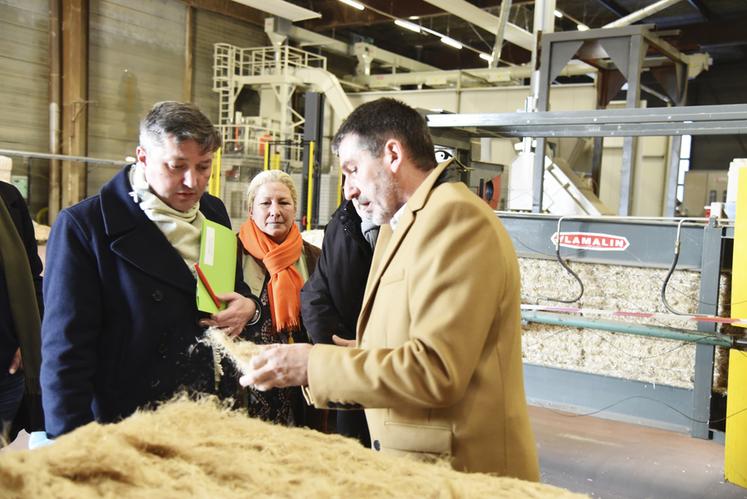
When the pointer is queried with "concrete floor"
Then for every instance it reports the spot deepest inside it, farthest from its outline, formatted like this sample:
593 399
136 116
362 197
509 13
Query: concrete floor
615 460
612 460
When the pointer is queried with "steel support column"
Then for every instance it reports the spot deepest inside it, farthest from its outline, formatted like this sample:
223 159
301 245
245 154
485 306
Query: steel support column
312 134
636 53
543 94
710 276
670 186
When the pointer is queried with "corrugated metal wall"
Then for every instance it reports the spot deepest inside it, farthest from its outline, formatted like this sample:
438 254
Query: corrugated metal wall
136 58
212 28
24 120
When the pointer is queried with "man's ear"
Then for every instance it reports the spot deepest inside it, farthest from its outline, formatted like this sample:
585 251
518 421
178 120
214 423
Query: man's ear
393 154
140 154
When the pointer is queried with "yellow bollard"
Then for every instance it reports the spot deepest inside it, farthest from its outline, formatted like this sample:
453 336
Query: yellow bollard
735 451
214 182
310 192
339 187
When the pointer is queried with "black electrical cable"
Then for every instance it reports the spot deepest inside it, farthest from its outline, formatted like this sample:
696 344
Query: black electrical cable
641 397
666 281
671 270
568 269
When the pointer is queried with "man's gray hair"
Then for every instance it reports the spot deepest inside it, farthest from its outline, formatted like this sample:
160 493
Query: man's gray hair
183 121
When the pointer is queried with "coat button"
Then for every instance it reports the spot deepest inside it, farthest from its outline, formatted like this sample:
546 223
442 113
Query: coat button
157 295
376 445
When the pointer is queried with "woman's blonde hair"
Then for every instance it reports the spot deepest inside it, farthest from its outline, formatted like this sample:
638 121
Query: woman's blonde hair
267 177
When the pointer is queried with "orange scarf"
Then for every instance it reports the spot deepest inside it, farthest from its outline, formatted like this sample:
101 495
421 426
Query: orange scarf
284 288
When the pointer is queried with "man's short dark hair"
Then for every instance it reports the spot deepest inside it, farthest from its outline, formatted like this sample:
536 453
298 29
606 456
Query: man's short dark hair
183 121
377 121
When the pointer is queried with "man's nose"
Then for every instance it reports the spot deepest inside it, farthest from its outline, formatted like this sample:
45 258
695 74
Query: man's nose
351 191
190 179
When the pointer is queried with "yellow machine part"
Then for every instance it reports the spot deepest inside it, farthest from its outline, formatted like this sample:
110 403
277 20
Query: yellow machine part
735 457
214 182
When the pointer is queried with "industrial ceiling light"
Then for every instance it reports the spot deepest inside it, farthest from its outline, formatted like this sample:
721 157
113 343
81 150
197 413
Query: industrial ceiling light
451 42
281 8
582 27
407 25
558 14
354 4
418 28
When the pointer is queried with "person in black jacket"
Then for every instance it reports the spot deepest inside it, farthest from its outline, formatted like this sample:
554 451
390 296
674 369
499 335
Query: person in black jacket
20 312
331 299
121 328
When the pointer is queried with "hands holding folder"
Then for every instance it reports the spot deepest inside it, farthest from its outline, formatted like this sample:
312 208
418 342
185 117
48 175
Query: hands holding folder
216 272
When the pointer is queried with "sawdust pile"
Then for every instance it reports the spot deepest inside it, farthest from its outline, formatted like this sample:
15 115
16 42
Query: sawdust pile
613 287
197 449
239 352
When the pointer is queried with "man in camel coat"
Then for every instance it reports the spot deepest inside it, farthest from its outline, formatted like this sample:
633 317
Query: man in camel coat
437 361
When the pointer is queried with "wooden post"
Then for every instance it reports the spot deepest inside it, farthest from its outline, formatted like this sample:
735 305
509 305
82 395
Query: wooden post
55 98
189 29
74 98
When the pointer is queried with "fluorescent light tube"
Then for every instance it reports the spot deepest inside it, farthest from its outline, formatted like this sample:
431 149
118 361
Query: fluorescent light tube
451 42
486 57
582 27
354 4
407 25
558 14
281 9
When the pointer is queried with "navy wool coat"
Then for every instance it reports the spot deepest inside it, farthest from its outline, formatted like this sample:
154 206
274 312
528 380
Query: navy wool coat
121 323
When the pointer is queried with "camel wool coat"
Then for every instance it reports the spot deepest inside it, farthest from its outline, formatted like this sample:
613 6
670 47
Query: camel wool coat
438 365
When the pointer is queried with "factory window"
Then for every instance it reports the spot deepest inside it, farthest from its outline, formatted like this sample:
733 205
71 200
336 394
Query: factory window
684 165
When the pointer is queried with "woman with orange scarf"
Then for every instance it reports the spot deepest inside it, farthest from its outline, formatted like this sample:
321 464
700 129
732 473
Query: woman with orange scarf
276 263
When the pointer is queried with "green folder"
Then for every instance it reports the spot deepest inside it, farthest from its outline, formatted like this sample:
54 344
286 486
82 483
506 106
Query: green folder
217 262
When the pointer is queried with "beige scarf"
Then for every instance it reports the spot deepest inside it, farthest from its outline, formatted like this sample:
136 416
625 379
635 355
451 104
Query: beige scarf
182 229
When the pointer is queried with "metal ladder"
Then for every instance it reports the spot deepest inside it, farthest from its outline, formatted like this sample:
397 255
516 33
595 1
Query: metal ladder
223 72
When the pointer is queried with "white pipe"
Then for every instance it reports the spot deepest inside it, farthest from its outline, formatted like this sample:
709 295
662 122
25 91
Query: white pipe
330 86
500 34
641 14
482 75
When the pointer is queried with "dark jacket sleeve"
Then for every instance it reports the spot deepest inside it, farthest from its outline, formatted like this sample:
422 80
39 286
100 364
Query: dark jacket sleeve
320 317
22 220
69 337
30 415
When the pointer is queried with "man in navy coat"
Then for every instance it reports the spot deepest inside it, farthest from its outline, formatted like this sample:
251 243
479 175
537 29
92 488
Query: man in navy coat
121 325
